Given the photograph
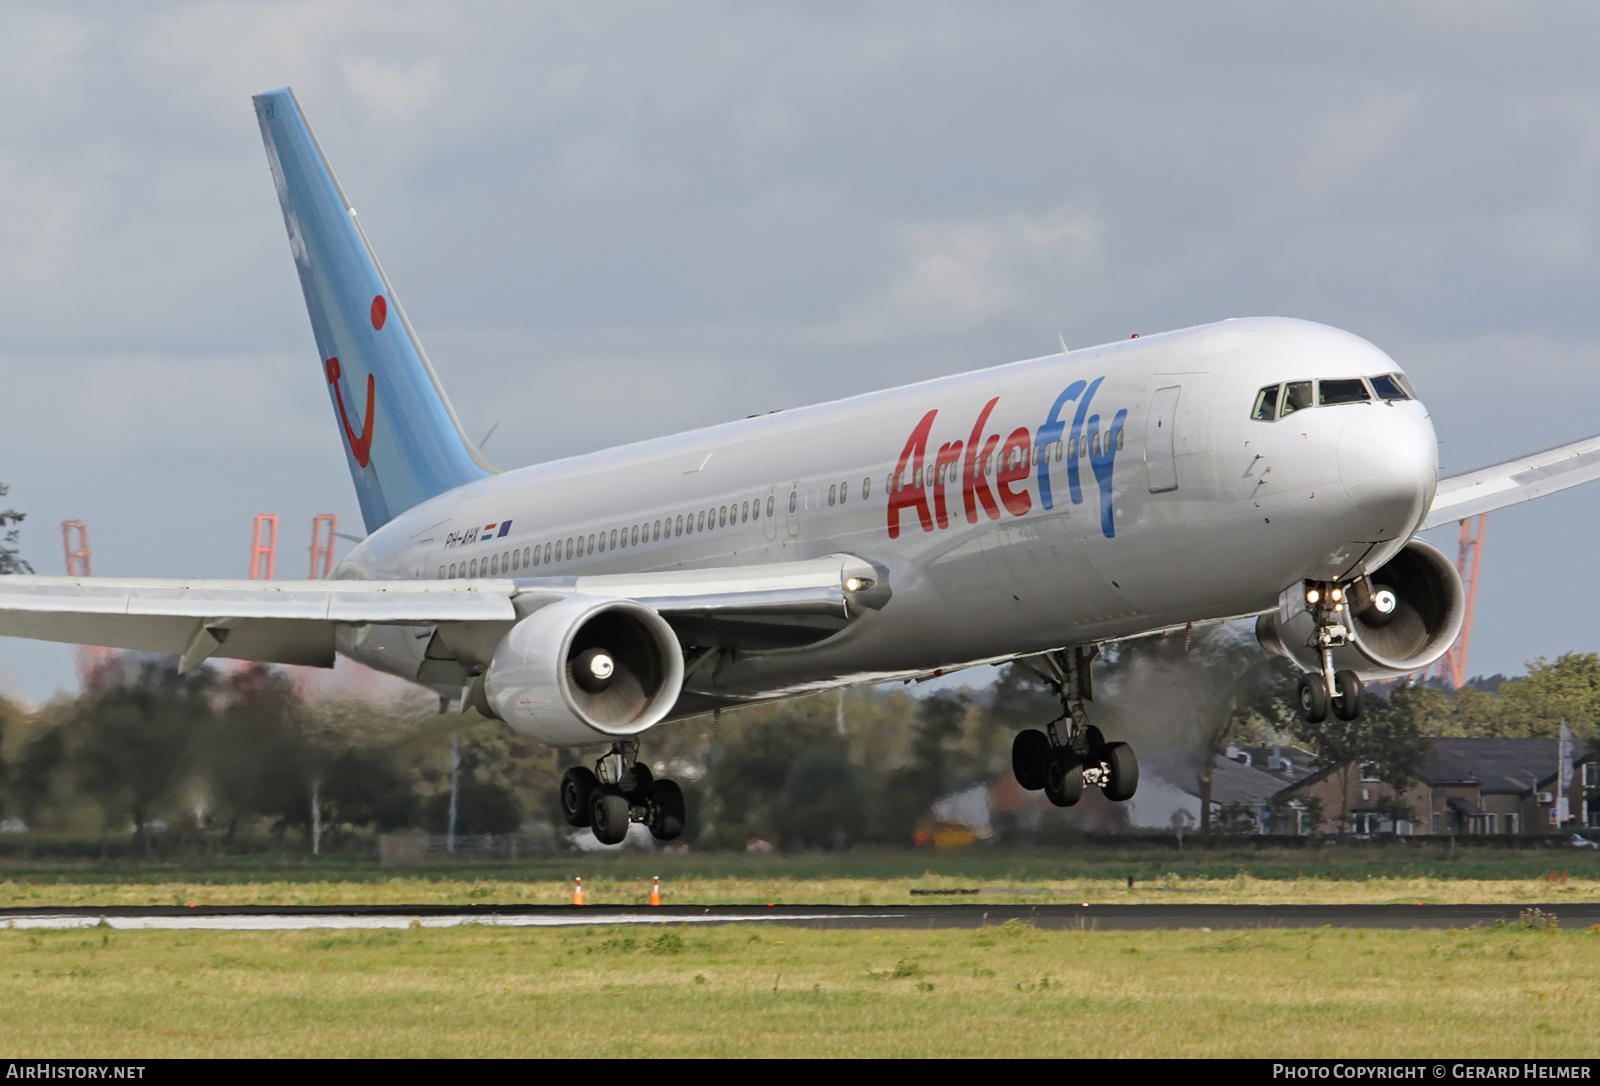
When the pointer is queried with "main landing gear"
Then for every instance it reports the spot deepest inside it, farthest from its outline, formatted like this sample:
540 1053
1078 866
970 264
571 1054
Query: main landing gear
1071 754
621 790
1330 689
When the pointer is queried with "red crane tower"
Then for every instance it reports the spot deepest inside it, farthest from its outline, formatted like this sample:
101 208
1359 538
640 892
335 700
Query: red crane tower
77 556
264 547
324 529
91 659
1451 668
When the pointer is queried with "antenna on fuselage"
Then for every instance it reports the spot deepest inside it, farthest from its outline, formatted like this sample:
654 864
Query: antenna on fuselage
1061 339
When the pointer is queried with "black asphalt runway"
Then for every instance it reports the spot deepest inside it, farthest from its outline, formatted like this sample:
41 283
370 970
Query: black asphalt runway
1094 917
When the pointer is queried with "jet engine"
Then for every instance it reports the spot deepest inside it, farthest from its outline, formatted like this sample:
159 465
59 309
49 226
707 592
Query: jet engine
584 669
1399 619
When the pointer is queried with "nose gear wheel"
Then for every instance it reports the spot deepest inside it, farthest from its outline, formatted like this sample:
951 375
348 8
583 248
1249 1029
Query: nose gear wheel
1338 691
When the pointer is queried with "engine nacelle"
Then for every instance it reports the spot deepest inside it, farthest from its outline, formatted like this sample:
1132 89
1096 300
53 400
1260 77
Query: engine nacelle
585 669
1405 616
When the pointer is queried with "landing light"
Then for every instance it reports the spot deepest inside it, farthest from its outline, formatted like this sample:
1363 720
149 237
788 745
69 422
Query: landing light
1312 595
858 584
1336 595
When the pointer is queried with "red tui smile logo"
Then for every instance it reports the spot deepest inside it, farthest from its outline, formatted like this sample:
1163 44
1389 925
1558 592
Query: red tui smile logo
361 446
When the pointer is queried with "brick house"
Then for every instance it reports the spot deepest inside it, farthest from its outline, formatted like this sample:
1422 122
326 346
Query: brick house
1465 787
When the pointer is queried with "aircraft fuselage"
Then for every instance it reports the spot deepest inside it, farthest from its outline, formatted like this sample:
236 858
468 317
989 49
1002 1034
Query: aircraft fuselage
1064 500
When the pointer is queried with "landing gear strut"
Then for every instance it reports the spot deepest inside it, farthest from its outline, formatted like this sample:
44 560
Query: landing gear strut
621 790
1330 689
1071 754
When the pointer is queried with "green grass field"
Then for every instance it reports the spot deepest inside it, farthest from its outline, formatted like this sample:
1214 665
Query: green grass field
1325 876
736 991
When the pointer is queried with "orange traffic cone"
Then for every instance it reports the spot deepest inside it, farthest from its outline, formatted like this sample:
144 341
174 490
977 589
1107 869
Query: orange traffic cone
577 892
655 892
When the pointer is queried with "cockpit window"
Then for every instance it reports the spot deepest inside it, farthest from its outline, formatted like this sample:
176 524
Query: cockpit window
1350 390
1296 395
1388 388
1266 408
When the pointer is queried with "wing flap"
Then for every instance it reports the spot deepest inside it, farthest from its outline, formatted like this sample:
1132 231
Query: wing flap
296 622
1514 481
286 622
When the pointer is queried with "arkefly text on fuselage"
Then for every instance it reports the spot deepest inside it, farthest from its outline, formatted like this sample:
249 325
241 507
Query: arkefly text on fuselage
969 464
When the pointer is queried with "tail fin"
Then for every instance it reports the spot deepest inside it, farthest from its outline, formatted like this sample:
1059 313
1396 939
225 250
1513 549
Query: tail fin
402 437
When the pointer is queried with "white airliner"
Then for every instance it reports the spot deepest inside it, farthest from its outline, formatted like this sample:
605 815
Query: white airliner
1260 467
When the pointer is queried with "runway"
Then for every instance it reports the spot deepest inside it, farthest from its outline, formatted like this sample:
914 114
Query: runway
1094 917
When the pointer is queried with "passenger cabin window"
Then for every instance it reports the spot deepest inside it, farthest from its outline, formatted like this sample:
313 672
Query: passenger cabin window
1296 396
1266 408
866 488
1388 388
1349 390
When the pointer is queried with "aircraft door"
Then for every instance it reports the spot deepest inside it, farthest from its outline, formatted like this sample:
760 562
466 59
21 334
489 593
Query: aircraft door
793 516
770 520
1160 428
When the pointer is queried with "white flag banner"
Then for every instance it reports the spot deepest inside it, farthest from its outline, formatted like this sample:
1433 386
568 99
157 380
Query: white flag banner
1564 757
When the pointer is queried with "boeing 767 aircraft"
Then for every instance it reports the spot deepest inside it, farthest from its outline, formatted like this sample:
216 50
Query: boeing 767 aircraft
1261 467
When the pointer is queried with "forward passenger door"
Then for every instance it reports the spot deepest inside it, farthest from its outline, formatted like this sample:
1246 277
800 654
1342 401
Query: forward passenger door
1160 428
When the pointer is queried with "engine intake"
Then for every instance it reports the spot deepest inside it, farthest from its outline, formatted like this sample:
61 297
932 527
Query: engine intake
583 670
1402 618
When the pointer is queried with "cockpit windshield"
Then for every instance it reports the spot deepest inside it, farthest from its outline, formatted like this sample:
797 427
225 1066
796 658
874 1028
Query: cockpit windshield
1297 397
1281 401
1390 386
1266 408
1352 390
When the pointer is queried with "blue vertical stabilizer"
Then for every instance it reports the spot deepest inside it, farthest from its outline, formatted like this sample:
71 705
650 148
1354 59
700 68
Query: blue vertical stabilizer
401 436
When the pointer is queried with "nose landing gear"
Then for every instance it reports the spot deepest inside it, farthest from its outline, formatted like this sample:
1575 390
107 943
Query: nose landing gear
1336 690
1071 754
619 791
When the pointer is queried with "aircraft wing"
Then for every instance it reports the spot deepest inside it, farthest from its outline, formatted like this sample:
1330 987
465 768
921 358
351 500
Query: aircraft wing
1500 485
297 622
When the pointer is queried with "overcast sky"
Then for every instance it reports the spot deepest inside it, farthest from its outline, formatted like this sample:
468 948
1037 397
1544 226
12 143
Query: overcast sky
611 221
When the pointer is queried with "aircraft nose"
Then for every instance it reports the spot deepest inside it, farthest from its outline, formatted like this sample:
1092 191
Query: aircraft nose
1389 465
